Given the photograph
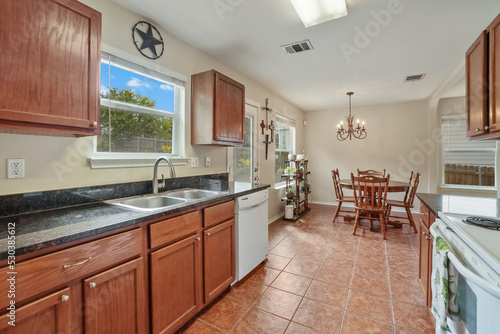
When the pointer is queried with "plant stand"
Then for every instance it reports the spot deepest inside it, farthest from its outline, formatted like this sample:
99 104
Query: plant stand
300 200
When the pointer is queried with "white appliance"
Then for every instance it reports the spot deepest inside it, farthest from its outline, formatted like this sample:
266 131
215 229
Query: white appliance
251 232
476 258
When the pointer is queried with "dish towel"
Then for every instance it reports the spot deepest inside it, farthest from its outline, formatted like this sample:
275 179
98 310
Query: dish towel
444 298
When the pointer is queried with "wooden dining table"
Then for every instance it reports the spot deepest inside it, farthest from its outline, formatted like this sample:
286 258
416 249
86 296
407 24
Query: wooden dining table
392 187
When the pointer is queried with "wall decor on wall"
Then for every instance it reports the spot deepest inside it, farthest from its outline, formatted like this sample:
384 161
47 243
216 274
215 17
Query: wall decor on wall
148 40
267 126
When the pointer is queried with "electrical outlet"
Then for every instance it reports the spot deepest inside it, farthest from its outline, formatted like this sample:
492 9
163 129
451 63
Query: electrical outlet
15 168
194 162
207 161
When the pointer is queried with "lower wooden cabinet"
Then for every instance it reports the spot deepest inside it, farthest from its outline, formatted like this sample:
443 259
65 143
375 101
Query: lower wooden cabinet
425 253
175 284
115 300
49 314
219 264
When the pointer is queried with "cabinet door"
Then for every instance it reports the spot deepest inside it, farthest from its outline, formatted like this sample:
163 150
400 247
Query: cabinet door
175 284
115 300
50 66
423 269
429 275
494 74
50 314
477 86
229 113
219 256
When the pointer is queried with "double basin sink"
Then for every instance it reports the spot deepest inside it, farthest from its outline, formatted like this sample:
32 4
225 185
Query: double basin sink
163 200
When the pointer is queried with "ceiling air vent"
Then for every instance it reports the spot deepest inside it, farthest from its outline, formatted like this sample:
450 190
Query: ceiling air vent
298 47
412 78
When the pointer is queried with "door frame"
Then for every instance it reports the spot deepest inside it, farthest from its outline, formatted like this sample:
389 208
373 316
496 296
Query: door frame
255 144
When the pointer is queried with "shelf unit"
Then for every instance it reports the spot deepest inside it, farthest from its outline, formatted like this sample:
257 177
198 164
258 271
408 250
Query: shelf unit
300 200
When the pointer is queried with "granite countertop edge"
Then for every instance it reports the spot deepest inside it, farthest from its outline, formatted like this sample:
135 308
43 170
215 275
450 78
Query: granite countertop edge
42 230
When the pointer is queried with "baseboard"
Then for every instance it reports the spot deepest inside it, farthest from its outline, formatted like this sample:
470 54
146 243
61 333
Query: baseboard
275 218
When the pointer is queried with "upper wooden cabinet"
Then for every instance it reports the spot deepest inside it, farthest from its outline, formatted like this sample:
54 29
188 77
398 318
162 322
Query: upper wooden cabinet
50 66
482 70
217 110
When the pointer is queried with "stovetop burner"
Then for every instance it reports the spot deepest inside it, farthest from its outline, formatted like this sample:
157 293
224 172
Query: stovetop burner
486 222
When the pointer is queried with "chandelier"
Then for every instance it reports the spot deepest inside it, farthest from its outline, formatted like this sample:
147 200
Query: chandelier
358 132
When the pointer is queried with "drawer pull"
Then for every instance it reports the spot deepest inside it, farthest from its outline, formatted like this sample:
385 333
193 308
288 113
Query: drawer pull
77 264
208 234
198 238
64 298
92 285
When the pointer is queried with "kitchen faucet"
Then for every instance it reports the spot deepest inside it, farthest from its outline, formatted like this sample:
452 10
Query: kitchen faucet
155 173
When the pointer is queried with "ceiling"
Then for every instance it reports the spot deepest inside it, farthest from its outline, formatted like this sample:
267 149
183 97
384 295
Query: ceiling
369 51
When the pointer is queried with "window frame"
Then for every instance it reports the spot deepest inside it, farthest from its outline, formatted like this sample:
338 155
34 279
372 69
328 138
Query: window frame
137 159
290 122
471 149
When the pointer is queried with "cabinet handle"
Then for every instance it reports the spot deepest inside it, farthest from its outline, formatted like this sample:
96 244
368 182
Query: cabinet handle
198 238
92 285
428 238
486 127
94 124
208 234
478 129
77 264
424 233
64 298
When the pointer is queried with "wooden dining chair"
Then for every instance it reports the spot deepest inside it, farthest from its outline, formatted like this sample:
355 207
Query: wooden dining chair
407 202
371 172
370 199
339 194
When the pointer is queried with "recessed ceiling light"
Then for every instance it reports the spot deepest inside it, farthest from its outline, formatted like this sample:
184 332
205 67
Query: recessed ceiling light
313 12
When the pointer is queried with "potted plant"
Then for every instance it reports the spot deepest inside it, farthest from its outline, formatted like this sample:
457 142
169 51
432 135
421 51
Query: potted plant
289 193
300 172
305 188
290 170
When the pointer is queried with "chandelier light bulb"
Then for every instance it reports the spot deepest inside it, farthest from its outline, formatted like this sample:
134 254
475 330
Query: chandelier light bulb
351 131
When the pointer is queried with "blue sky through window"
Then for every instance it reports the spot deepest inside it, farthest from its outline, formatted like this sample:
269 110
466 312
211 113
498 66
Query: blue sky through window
160 91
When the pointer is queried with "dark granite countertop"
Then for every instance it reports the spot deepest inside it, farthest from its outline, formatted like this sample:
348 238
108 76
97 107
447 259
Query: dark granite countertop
482 206
44 229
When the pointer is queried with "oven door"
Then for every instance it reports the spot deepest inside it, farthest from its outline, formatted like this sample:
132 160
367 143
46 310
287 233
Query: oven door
478 299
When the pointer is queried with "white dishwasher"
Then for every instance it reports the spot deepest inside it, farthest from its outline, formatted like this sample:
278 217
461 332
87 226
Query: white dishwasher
251 232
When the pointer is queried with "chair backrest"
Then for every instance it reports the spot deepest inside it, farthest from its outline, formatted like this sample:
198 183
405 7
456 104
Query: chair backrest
412 189
371 172
370 192
339 195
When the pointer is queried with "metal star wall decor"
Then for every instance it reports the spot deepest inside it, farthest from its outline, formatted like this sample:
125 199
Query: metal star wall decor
147 40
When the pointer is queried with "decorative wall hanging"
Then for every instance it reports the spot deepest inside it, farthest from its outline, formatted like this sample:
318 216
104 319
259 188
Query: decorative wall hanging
267 126
147 40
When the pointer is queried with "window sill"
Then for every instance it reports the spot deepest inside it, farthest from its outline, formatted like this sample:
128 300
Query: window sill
281 185
122 162
469 189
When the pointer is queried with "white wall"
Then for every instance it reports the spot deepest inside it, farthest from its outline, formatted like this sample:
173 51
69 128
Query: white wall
62 162
397 134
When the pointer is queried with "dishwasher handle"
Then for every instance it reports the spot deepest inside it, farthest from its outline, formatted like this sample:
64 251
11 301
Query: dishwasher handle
251 207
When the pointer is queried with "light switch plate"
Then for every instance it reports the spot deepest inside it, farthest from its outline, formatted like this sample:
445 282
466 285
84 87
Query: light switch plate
194 162
207 161
15 168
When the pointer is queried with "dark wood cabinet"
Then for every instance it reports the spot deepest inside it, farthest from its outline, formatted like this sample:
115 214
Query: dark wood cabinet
482 71
176 284
217 110
115 300
49 314
219 259
425 253
50 66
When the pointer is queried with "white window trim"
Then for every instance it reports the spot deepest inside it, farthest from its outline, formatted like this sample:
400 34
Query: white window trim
291 122
124 160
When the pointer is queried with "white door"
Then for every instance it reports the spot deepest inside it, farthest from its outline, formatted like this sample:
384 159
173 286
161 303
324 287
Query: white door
243 160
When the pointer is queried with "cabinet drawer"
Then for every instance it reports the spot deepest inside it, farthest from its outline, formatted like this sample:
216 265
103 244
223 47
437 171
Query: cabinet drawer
424 214
218 213
49 271
172 229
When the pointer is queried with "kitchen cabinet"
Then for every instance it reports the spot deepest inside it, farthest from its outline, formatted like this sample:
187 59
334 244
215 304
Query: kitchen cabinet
176 272
50 66
49 314
425 252
217 110
113 299
482 66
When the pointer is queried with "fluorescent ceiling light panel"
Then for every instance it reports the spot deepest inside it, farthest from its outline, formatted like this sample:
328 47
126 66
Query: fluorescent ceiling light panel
313 12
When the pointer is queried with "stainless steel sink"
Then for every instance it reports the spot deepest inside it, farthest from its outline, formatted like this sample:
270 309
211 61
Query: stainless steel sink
147 203
191 193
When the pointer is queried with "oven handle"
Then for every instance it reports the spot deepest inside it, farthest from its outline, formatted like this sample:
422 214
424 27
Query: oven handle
468 274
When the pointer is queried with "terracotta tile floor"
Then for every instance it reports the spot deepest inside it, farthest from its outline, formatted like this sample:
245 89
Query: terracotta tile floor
319 278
